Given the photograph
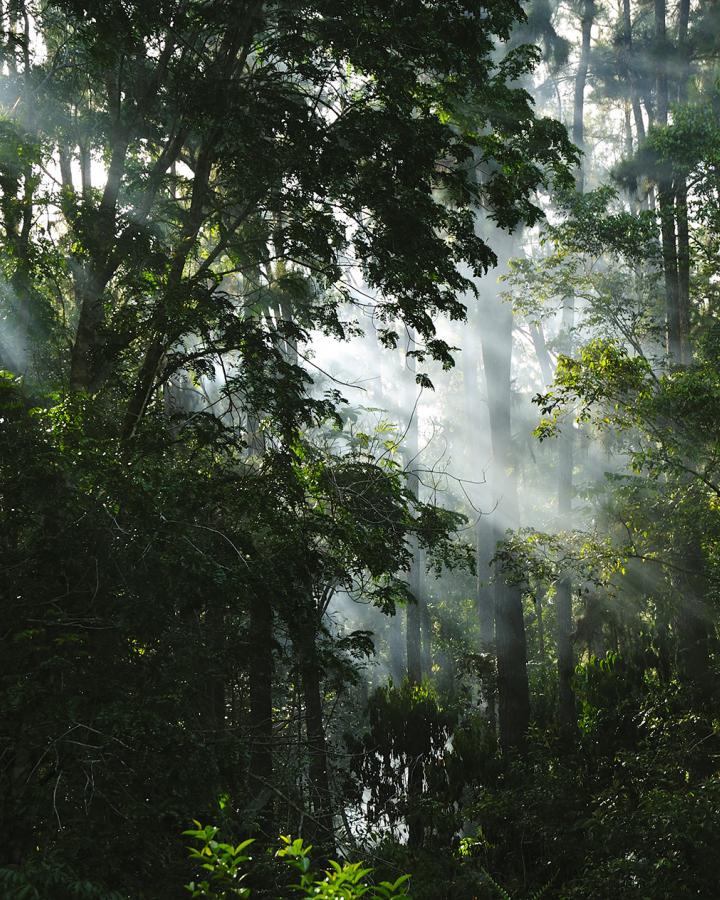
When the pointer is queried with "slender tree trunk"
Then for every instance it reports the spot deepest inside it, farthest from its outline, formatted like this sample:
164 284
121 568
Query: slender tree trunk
578 133
397 648
85 173
563 600
484 552
512 678
414 625
681 193
261 671
666 196
321 828
566 662
693 623
414 610
684 50
475 432
683 268
543 356
661 50
426 633
415 614
566 697
540 594
666 204
382 391
486 540
260 676
634 95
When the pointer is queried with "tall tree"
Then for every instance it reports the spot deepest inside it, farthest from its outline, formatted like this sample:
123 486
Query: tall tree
578 127
512 679
681 190
666 193
415 611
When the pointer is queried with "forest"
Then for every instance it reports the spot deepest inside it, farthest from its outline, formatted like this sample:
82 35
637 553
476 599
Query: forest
359 449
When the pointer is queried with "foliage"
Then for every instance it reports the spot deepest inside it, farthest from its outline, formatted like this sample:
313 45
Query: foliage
225 864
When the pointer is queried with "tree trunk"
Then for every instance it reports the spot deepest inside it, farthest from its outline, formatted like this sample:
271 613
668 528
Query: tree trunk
414 624
261 671
540 594
485 541
661 50
426 633
634 95
414 610
693 622
681 193
260 676
578 131
543 356
683 268
566 662
563 599
415 615
666 205
666 196
484 552
322 830
512 679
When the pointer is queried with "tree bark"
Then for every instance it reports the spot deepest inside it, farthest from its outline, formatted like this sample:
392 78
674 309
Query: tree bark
692 624
666 206
681 193
540 594
567 715
578 131
543 356
485 541
683 268
321 828
260 676
512 678
415 614
666 196
661 49
414 610
634 95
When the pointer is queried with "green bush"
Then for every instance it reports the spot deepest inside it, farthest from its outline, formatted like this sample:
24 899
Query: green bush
226 866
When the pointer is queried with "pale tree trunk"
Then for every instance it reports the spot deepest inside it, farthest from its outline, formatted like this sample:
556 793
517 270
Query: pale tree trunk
546 370
666 196
382 391
681 194
415 614
634 95
578 131
564 591
543 355
512 679
473 434
414 610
